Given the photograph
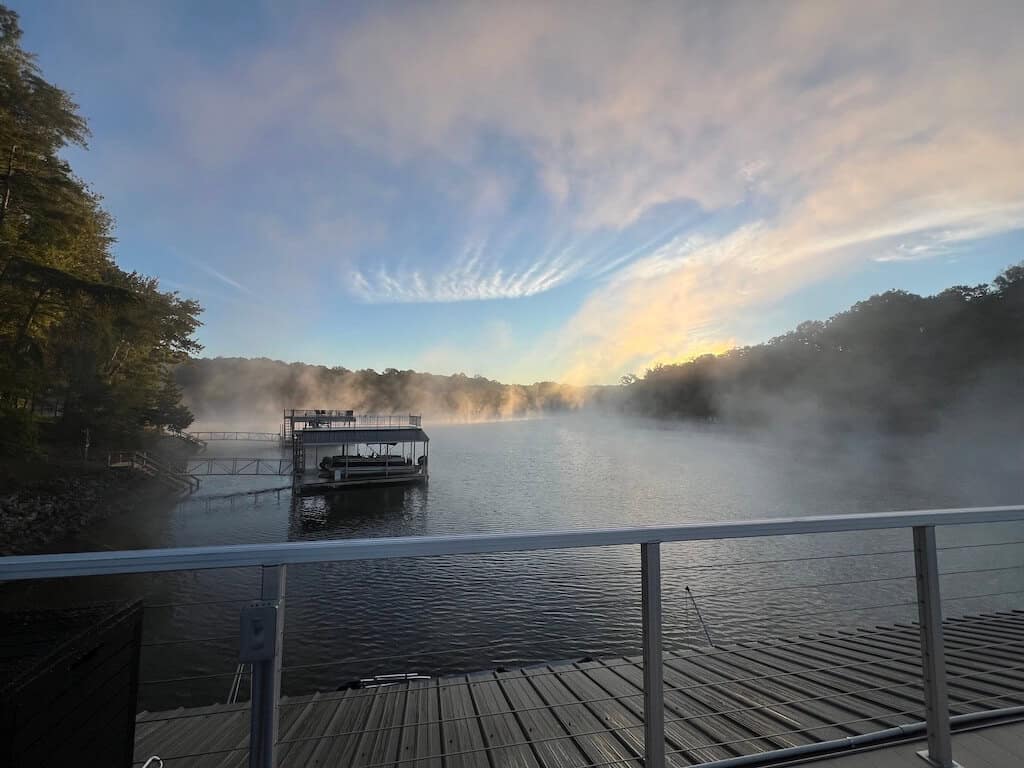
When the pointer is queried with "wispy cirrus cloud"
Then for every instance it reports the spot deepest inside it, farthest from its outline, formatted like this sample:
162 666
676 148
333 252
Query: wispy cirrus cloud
225 279
477 273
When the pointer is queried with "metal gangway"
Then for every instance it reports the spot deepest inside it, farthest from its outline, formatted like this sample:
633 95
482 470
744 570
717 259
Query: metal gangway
207 467
253 437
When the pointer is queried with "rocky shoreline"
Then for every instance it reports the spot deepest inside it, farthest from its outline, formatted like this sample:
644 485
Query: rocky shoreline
65 501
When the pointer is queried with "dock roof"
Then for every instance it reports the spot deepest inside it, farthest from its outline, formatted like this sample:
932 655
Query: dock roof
351 435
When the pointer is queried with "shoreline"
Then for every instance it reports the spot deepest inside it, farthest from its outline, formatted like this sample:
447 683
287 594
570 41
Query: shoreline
45 503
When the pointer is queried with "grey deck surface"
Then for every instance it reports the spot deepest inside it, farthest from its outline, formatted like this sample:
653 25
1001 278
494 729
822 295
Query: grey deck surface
1000 746
719 703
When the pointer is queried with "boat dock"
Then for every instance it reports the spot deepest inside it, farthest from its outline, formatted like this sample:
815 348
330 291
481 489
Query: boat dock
720 703
317 435
357 448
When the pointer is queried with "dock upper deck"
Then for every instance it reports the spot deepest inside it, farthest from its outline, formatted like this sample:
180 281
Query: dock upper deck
743 699
350 435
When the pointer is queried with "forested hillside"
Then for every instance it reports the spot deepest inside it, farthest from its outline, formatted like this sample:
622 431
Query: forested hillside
248 393
896 361
80 339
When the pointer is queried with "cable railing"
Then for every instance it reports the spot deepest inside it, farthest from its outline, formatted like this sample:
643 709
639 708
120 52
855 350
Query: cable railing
799 664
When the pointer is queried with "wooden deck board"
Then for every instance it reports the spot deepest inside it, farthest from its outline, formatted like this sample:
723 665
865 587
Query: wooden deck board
598 744
611 713
540 724
463 744
579 714
352 729
506 741
420 742
679 739
902 690
692 735
777 717
379 743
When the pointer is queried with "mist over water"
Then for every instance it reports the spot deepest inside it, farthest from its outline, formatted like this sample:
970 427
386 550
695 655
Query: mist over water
442 615
251 394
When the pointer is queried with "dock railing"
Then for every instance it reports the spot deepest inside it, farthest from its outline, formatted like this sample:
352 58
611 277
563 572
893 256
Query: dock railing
179 479
261 635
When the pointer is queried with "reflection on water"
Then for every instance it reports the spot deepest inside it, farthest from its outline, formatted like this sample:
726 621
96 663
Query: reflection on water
341 515
439 615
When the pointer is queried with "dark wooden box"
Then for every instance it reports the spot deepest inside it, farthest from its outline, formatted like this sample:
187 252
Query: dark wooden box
69 682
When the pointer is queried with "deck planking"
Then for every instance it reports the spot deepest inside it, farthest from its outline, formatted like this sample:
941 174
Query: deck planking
746 698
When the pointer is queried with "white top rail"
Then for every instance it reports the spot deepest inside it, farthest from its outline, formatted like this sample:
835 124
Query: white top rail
26 567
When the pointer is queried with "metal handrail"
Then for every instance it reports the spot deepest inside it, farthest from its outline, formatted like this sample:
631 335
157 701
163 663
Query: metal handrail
267 615
20 567
144 460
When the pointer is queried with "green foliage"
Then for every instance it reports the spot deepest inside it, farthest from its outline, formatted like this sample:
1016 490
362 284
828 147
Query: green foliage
894 361
74 328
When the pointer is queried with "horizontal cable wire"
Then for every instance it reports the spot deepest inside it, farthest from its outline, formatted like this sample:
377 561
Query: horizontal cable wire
717 683
461 753
666 721
987 698
396 657
671 569
986 594
785 733
758 645
197 754
479 682
185 715
845 694
982 570
161 643
670 689
916 711
766 736
200 602
187 678
809 558
717 623
705 595
977 546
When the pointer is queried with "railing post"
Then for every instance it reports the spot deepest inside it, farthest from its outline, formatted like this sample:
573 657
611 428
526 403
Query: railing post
654 694
933 655
262 637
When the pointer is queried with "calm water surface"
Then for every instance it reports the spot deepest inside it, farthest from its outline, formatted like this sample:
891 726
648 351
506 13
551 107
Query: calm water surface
443 615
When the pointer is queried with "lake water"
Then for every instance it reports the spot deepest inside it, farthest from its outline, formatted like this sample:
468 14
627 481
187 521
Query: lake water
444 615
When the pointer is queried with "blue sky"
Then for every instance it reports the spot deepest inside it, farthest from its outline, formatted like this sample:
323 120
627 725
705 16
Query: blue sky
561 191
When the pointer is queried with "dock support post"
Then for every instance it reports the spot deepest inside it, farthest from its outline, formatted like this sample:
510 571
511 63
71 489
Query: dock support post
654 693
262 641
933 655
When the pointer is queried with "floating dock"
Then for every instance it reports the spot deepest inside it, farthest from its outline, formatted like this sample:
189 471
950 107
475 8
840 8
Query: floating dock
341 436
720 702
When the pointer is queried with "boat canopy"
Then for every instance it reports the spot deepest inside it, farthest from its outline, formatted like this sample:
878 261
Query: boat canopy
368 435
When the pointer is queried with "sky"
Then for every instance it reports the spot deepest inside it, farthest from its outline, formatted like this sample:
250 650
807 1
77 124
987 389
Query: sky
527 191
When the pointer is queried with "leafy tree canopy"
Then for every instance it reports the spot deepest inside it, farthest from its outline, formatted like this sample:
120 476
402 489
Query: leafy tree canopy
79 336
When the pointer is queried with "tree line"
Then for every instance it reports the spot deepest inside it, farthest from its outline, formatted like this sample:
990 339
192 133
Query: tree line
81 339
895 362
248 393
